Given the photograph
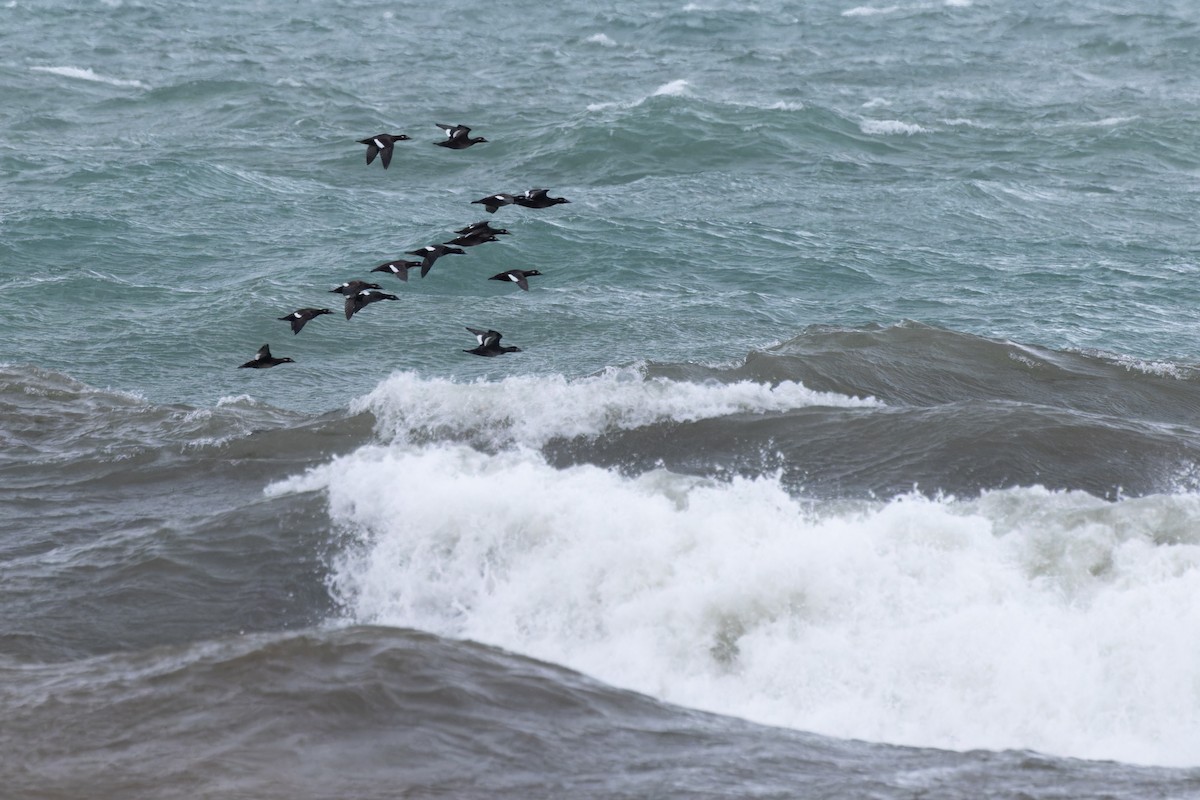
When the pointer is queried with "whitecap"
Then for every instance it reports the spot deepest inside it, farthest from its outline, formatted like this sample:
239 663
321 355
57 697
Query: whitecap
237 400
676 88
869 11
88 75
531 410
889 127
1110 122
1024 619
1162 369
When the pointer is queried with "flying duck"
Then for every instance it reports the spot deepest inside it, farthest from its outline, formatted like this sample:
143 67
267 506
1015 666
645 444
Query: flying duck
263 359
431 253
381 145
474 238
489 344
538 198
476 227
354 287
358 301
398 268
458 137
494 201
517 276
303 315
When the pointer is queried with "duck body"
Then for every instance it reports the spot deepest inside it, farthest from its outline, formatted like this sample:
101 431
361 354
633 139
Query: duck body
473 239
489 344
538 198
381 145
263 359
517 276
300 316
354 287
481 227
399 268
495 201
458 137
360 300
432 252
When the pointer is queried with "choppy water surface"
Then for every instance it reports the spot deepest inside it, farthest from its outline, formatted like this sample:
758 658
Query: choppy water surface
851 449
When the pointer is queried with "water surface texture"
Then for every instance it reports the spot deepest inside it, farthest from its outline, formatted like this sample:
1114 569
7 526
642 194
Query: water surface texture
852 447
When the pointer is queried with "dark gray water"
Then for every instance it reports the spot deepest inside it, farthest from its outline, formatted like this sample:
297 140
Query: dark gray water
851 450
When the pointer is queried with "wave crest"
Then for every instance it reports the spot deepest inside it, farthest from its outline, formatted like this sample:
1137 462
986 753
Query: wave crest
1023 619
530 411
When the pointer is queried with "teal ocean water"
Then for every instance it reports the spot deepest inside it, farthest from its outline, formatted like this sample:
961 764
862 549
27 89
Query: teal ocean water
851 448
176 177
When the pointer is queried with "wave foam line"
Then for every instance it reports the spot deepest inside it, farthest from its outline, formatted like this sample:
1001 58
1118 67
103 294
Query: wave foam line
675 88
531 410
88 75
889 127
1025 619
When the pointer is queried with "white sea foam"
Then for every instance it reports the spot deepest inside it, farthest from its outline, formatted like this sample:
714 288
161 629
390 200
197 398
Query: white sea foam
1026 360
1164 369
869 11
88 75
784 105
530 410
238 400
1025 619
601 39
873 11
1111 122
677 88
889 127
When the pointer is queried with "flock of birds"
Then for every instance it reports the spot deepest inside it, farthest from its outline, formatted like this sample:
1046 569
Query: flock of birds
359 294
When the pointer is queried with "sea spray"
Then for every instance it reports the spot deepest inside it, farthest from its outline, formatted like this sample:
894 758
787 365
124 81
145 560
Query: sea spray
530 410
1021 618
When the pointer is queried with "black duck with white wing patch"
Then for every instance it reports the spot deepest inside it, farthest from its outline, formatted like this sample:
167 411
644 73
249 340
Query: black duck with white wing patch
458 137
517 276
481 227
263 359
381 144
300 316
494 201
538 198
354 287
489 343
360 300
473 239
432 252
398 268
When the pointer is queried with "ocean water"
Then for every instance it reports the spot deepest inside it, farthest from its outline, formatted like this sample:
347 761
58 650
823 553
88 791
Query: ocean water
852 450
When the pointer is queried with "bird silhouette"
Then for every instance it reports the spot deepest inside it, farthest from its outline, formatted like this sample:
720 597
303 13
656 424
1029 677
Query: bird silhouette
263 359
381 144
489 344
300 316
